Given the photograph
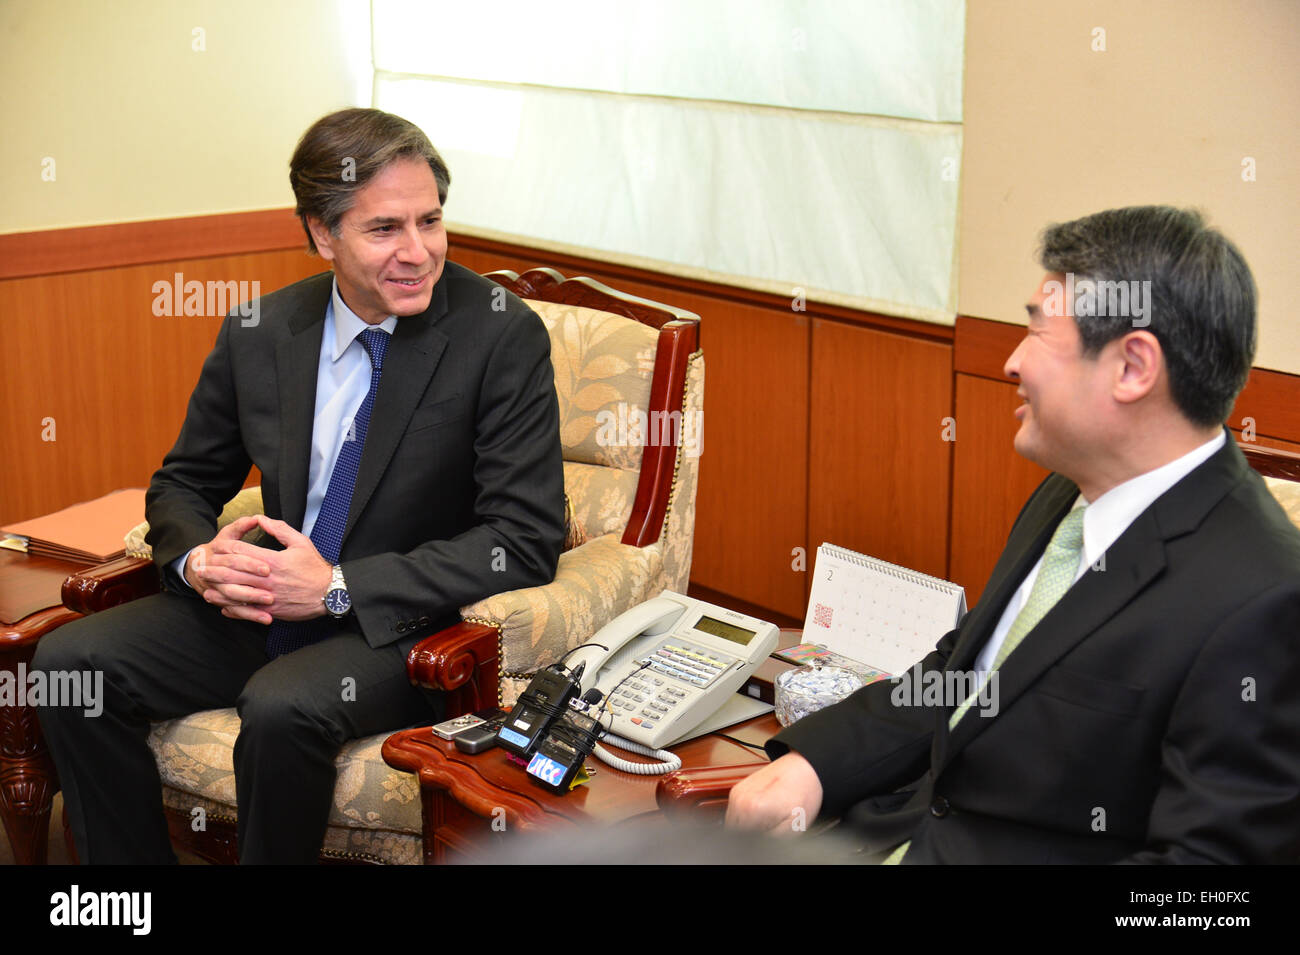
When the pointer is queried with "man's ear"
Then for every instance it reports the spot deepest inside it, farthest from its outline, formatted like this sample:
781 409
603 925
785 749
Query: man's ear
321 235
1143 366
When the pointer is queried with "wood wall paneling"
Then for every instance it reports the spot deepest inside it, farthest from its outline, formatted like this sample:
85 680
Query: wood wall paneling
86 350
879 463
991 482
825 425
982 347
1271 400
135 243
1268 442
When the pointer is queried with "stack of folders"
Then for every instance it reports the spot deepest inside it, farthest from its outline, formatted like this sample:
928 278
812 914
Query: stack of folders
92 532
879 614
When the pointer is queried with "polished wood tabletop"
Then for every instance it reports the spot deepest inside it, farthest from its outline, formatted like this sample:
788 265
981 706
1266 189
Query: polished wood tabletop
30 585
490 782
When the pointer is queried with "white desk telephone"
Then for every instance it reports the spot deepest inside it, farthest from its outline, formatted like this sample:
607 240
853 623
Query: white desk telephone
672 663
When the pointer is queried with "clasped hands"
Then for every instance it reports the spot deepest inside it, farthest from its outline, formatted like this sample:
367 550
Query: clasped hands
254 583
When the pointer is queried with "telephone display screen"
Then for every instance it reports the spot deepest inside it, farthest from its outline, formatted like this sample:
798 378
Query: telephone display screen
727 631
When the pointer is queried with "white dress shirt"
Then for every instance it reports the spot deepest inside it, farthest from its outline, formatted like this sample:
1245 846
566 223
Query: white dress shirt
342 380
1103 522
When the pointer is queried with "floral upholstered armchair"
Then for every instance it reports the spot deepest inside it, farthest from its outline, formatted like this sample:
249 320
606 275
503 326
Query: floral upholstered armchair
630 381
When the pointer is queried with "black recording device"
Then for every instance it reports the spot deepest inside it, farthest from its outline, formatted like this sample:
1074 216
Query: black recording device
538 707
566 746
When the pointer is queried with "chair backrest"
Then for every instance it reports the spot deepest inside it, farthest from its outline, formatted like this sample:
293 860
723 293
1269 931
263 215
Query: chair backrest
621 384
1281 472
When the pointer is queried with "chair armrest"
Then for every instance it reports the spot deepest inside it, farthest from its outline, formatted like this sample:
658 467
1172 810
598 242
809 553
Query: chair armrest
109 584
700 791
463 660
593 584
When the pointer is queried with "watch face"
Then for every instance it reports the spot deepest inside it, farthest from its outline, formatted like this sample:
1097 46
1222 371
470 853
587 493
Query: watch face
338 602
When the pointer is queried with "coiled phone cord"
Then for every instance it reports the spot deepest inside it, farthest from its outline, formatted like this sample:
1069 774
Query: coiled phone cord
668 762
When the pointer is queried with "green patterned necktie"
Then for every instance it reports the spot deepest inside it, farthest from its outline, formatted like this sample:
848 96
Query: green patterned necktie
1055 577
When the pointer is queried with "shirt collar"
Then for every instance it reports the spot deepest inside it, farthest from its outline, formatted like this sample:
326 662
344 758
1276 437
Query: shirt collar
1110 515
347 326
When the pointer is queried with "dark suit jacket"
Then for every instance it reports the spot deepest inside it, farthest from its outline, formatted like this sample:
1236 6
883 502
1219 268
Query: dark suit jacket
1153 715
460 489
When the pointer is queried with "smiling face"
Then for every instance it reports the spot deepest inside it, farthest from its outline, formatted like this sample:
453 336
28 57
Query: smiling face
391 246
1067 417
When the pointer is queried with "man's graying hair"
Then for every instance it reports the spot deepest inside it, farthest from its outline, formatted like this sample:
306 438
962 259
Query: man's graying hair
343 151
1202 299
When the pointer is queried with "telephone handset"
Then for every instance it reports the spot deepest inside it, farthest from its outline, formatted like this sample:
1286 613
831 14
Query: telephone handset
672 663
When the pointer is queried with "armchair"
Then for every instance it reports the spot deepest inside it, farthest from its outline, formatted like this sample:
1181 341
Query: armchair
701 794
625 369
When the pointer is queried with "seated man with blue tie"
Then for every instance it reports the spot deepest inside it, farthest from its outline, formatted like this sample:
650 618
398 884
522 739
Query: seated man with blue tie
402 412
1143 619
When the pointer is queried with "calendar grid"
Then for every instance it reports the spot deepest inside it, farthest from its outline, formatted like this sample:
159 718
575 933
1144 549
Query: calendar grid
878 613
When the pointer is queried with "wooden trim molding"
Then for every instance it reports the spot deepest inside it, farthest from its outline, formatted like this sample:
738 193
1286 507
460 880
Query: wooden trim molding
731 293
1271 398
1272 462
981 347
53 251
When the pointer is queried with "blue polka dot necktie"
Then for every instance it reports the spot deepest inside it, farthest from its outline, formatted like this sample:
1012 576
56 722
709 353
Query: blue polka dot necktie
286 636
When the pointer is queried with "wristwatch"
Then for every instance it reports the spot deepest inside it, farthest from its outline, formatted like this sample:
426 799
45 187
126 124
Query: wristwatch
337 599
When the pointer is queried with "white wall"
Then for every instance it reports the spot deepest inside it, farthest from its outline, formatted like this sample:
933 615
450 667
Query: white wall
1184 91
140 125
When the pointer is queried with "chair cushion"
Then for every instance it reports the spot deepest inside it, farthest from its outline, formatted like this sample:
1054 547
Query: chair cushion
375 811
604 364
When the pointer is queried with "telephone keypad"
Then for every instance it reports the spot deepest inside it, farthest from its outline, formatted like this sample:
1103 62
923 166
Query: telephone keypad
679 660
687 663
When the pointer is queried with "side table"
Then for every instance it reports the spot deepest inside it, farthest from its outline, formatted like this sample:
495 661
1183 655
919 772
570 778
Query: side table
30 607
466 800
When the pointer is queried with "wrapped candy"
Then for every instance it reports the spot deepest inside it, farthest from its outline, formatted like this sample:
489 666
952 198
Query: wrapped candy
809 688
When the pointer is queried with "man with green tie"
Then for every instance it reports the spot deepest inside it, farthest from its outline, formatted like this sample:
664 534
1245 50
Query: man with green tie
1143 620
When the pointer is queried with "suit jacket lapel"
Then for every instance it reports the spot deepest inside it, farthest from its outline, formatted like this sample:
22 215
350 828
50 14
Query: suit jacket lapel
1027 542
409 365
1131 563
296 363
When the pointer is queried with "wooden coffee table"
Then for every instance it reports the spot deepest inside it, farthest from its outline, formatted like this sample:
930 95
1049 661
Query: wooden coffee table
467 801
30 607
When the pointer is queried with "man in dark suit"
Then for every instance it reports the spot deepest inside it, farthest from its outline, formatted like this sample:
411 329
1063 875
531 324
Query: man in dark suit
402 412
1143 620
